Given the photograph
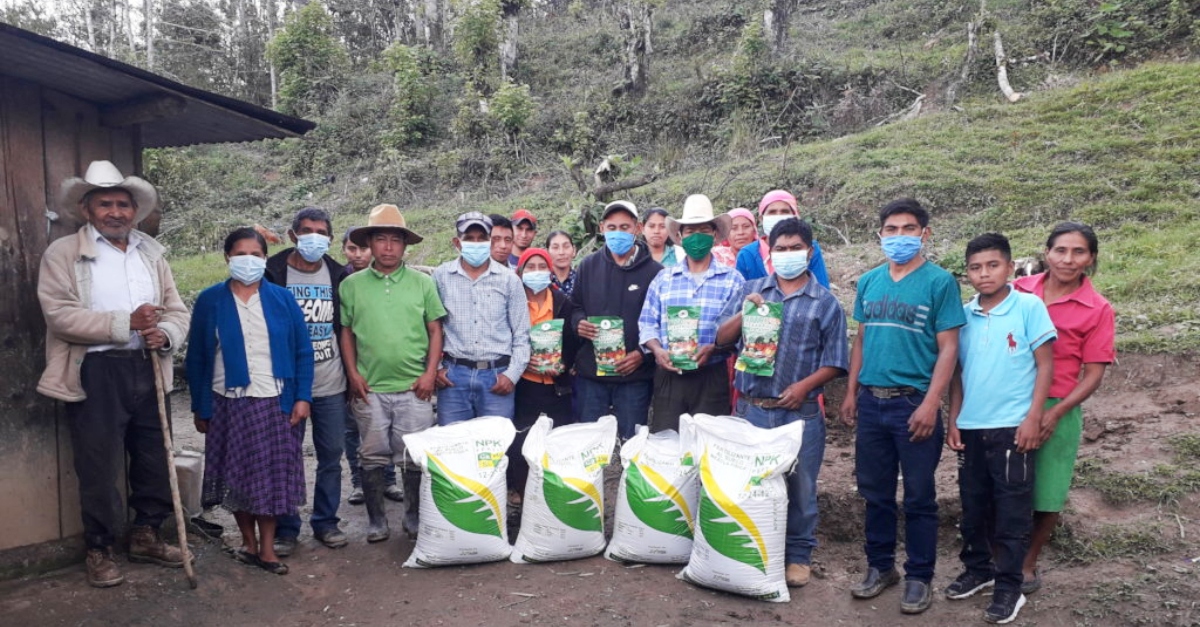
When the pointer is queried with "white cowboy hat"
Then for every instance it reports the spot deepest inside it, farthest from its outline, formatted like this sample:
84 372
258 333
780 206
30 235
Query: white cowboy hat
698 209
103 174
384 218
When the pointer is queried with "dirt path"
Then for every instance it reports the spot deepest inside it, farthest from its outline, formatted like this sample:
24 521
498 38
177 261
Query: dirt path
1116 564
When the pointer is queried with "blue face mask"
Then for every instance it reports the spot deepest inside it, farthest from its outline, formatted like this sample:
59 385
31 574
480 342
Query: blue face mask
476 253
619 242
901 248
247 269
790 264
312 246
536 280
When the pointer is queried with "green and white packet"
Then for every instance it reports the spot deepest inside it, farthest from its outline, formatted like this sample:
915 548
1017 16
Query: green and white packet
761 326
546 345
683 336
609 344
464 492
562 516
741 523
656 500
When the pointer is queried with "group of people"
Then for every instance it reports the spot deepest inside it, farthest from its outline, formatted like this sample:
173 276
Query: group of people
362 352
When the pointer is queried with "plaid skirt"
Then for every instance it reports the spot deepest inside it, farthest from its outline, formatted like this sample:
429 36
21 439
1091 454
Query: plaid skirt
253 460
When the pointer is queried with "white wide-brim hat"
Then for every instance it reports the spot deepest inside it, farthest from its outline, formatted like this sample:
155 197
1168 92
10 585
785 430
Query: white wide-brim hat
103 174
698 209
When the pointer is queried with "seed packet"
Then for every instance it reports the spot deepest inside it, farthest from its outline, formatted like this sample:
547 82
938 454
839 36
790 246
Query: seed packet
683 336
609 344
546 342
760 338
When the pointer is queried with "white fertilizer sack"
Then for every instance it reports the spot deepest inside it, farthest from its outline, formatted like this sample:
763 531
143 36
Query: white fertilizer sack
562 517
656 501
463 492
741 525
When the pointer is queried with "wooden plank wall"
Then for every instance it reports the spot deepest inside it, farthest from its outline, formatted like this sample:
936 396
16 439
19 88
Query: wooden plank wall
45 137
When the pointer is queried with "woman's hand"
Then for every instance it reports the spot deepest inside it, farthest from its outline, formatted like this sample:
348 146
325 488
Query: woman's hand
301 410
201 424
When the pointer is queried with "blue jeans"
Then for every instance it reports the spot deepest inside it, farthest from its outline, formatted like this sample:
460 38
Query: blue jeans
353 441
802 481
881 450
629 402
471 396
328 426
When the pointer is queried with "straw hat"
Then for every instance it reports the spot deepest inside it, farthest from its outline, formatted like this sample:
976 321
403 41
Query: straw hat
103 174
384 218
698 209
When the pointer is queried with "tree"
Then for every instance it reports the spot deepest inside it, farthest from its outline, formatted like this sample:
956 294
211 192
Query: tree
476 42
776 20
637 22
412 104
310 60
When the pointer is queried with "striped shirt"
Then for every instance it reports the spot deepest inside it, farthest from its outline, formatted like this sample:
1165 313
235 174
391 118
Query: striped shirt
487 318
677 287
812 336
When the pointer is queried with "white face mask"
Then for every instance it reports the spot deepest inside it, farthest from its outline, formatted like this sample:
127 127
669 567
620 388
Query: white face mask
770 222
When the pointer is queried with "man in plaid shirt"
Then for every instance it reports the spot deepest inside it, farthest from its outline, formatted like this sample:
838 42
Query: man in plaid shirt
703 284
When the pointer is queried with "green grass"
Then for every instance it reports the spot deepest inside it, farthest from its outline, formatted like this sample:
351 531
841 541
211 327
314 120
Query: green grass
1163 485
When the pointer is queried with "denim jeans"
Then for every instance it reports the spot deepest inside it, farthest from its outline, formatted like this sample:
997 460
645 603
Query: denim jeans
353 441
471 395
328 432
802 481
882 450
995 483
629 401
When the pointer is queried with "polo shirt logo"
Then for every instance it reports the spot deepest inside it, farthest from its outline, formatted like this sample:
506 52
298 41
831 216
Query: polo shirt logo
1012 344
635 287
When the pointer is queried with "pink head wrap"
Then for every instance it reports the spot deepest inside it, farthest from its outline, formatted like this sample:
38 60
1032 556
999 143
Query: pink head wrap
776 196
742 212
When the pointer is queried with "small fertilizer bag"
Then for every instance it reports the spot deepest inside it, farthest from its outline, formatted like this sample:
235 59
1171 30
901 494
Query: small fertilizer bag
741 525
546 343
562 517
683 336
760 338
656 502
463 492
609 344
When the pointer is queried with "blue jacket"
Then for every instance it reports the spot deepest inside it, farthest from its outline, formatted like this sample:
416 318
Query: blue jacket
291 350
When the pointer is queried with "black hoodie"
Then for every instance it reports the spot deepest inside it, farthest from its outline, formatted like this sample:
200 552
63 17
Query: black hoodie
277 268
603 288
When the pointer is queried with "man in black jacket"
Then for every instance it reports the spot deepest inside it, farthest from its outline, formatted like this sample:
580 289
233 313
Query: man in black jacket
313 278
612 282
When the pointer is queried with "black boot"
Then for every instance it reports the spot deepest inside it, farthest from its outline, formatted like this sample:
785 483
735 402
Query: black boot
412 488
373 487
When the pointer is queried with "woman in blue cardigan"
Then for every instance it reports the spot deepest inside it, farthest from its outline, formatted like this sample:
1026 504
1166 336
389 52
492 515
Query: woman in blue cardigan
250 372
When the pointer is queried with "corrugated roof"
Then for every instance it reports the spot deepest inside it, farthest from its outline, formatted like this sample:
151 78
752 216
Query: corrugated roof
205 118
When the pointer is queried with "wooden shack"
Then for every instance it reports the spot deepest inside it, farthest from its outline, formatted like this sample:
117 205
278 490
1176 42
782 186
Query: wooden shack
61 108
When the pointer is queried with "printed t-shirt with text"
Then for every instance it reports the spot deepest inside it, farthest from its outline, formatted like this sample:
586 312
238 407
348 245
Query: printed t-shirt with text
313 291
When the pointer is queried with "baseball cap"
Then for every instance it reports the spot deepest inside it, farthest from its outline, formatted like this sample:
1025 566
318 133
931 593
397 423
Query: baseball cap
472 218
523 215
620 205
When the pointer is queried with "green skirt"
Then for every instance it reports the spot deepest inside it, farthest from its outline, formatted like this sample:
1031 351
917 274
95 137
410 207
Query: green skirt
1055 461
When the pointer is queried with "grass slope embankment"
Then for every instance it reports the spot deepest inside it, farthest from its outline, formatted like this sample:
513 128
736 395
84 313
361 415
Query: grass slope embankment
1120 151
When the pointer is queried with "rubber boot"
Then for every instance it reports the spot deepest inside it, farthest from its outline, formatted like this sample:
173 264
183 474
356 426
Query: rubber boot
373 487
412 488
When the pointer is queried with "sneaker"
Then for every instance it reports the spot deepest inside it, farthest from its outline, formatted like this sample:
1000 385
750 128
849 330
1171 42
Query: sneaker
284 547
1005 606
394 493
1032 584
874 583
333 538
917 597
967 585
356 497
102 571
797 575
146 545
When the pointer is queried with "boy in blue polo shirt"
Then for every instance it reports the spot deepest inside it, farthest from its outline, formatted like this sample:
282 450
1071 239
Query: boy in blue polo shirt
1005 366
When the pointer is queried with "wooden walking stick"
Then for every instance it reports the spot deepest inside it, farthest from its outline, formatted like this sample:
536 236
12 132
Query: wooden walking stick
180 523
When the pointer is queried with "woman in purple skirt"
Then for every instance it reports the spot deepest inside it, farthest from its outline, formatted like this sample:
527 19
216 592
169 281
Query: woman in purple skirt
250 372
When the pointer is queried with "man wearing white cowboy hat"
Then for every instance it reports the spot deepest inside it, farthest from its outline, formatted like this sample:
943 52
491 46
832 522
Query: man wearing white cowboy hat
391 343
691 376
111 306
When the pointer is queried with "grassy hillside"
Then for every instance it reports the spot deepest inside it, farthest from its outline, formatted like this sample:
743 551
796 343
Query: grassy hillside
1121 152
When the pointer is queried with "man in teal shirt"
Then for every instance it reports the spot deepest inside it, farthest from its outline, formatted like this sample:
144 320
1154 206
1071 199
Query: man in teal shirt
391 344
909 312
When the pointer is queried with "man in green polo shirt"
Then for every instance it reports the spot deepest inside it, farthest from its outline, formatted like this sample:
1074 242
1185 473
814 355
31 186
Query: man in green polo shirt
391 344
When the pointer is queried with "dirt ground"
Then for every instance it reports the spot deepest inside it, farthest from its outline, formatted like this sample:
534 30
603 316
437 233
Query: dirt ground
1145 401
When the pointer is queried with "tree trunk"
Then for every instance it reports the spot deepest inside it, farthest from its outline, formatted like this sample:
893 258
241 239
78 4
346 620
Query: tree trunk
776 20
91 27
433 24
148 19
508 45
637 19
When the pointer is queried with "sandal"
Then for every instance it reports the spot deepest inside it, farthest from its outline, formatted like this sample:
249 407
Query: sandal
242 555
279 568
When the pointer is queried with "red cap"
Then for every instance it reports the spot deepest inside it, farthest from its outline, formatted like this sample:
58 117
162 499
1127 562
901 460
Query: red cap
522 215
534 252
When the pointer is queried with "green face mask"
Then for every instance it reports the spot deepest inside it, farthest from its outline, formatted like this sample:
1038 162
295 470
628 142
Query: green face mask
698 245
